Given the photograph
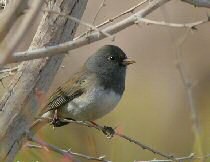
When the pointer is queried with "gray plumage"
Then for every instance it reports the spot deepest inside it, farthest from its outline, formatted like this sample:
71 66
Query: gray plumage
95 90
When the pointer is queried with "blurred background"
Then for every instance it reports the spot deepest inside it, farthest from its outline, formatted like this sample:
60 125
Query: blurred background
155 108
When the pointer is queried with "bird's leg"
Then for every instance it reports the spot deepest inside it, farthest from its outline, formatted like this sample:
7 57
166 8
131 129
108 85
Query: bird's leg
108 131
56 122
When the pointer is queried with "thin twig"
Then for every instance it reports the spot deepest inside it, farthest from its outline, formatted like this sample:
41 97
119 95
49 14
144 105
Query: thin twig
192 25
93 37
103 3
190 158
79 22
189 86
66 153
110 20
9 70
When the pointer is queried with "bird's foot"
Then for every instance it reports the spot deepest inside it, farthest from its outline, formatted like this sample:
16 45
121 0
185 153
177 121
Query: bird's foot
108 131
57 122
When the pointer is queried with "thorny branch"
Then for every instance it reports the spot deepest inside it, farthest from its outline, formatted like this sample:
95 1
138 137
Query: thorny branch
64 47
66 153
110 132
100 34
110 20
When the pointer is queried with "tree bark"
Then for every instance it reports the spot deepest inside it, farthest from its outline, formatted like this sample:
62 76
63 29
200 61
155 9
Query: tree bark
20 104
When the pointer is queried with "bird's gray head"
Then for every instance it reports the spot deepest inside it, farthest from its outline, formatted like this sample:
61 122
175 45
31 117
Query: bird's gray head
108 60
109 64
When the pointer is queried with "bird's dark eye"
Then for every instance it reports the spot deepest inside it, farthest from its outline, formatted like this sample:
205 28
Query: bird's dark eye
111 58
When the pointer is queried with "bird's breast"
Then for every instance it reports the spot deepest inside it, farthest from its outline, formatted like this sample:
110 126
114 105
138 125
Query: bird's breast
92 105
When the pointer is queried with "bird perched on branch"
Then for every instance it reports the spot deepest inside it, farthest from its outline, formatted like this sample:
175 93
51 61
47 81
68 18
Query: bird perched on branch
92 92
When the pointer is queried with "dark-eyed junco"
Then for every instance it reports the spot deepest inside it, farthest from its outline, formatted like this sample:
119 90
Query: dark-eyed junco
92 92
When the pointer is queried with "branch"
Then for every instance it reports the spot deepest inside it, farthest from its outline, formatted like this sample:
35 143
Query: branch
192 25
198 3
20 33
20 104
66 153
93 37
189 85
109 132
80 22
130 10
9 16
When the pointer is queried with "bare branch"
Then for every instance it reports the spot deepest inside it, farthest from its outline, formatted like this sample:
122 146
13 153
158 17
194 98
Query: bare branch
9 16
23 28
111 133
192 25
130 10
9 70
198 3
67 46
20 104
66 153
189 85
80 22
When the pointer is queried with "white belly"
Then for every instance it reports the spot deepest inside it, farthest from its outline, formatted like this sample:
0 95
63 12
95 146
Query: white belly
92 105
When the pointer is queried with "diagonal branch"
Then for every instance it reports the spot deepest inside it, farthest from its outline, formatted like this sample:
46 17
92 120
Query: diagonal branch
66 153
93 37
9 16
23 28
79 22
109 132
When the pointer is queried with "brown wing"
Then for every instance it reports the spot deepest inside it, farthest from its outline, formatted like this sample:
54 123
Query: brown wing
68 91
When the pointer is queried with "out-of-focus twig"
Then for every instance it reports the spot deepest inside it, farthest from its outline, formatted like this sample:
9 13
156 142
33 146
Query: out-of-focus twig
23 28
189 86
66 153
192 25
189 158
10 14
103 3
92 37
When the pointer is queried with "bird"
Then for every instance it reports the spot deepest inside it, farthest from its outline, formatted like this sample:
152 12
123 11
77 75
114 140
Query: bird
93 91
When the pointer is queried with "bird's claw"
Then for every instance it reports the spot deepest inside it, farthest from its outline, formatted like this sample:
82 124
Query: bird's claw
108 131
56 122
